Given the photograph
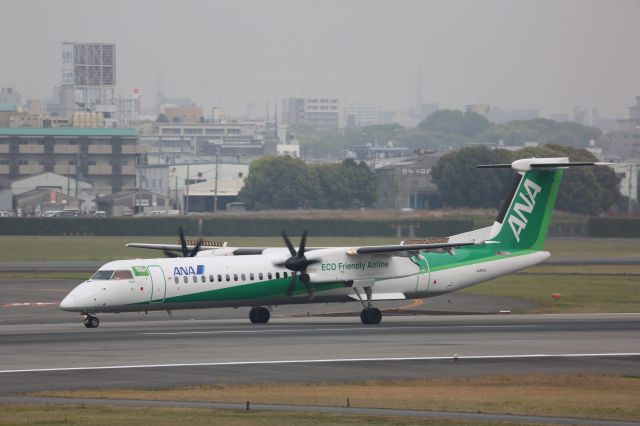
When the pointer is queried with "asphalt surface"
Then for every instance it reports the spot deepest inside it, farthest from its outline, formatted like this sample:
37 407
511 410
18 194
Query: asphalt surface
44 348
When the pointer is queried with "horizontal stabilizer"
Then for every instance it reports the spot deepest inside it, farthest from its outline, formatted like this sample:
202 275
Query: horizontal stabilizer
526 164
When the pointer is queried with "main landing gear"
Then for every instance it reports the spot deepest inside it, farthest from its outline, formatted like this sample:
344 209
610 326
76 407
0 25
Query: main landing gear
91 321
369 315
259 315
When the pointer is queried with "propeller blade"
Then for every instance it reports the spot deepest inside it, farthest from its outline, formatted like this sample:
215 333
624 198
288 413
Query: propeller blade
280 264
313 261
170 254
183 242
303 243
291 285
288 243
196 249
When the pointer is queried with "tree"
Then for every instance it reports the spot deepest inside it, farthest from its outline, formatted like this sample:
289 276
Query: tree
468 124
461 184
281 183
586 190
347 185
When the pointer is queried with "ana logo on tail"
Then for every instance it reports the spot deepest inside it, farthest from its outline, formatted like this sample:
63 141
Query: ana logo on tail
517 219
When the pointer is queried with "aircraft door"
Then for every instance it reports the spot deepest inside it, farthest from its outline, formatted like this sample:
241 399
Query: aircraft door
158 284
422 281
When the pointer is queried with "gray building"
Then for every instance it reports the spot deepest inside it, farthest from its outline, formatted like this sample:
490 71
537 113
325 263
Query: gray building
106 158
624 142
319 113
407 184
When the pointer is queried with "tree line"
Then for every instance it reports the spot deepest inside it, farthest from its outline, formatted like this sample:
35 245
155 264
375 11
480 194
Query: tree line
287 183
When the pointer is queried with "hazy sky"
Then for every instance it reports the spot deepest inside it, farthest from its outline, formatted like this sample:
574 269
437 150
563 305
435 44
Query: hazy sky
551 55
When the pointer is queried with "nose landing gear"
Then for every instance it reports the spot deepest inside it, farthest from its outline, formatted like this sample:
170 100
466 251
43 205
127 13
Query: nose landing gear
91 321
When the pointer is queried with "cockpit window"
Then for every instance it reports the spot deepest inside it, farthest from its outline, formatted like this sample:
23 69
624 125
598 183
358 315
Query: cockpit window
102 275
123 274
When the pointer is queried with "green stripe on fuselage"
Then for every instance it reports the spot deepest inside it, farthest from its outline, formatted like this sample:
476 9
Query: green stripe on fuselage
273 289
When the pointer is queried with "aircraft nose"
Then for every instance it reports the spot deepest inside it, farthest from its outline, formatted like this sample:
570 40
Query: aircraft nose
69 303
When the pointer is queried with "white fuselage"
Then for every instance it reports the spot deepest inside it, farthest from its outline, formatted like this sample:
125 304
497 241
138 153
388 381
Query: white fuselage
252 280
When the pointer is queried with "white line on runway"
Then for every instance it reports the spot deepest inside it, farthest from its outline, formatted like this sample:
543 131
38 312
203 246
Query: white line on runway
328 360
359 329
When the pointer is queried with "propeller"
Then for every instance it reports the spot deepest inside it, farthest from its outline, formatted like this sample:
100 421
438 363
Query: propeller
298 264
184 249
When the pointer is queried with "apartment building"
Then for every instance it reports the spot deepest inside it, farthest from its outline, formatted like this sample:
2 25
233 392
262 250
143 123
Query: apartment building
105 157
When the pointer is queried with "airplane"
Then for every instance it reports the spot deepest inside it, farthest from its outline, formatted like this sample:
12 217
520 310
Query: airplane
200 274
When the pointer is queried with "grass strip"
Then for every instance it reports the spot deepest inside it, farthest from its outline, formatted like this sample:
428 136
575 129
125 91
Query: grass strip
579 293
92 248
587 396
36 414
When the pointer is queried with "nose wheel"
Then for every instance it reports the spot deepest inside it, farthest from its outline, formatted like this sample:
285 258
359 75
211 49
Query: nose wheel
91 321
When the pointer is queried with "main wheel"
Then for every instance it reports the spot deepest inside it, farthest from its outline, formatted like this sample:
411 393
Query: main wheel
371 316
91 322
259 315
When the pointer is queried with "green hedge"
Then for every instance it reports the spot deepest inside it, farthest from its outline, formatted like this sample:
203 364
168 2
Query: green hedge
618 227
226 226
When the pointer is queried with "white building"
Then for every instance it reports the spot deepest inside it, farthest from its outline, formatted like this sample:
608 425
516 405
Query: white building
319 113
62 184
356 116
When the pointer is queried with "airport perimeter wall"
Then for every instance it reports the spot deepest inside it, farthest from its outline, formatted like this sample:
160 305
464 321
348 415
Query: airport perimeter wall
618 227
252 226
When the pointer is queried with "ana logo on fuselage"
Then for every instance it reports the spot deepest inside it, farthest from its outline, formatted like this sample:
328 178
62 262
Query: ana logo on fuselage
188 270
517 219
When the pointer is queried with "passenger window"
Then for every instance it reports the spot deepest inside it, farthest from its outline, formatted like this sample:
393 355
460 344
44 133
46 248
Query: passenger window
277 274
269 276
219 278
203 278
260 276
186 279
243 276
195 279
228 277
251 276
210 278
235 277
285 274
177 280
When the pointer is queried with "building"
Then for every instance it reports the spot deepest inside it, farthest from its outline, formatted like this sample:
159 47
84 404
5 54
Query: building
171 142
6 196
39 201
624 142
356 116
52 182
9 95
407 184
190 114
106 158
207 197
6 112
132 202
319 113
88 80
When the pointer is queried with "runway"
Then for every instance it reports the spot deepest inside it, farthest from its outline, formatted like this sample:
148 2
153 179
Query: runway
42 347
167 353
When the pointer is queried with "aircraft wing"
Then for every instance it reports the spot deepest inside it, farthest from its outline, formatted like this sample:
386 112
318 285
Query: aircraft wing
411 249
172 247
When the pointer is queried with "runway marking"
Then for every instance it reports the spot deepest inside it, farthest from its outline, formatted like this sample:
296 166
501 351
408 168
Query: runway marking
288 330
15 304
328 360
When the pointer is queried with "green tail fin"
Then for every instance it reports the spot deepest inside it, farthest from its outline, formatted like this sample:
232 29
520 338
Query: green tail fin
524 218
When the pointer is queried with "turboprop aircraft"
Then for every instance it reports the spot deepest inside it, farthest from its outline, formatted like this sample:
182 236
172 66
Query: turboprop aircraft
200 274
